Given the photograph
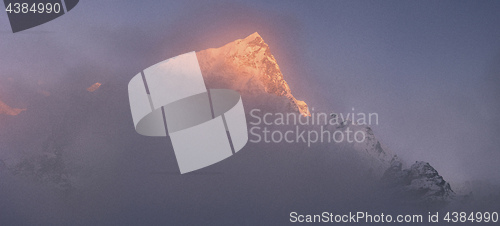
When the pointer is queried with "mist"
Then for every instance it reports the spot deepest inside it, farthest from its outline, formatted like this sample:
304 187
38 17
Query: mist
431 72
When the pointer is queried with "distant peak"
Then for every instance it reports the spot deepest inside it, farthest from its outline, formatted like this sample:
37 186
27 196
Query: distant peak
253 40
7 110
253 36
94 87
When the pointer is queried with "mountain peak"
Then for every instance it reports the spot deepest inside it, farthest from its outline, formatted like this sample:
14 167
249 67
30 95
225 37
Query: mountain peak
421 180
94 87
253 36
247 65
7 110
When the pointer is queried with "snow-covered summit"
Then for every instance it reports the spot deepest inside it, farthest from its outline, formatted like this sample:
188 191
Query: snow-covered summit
420 181
247 65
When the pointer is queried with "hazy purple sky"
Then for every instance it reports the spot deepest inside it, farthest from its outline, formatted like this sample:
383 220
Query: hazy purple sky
430 69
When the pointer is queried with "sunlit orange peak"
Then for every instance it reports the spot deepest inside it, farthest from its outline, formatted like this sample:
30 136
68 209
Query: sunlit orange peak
7 110
94 87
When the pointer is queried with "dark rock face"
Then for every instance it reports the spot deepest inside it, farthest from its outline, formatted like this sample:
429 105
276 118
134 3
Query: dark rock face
421 182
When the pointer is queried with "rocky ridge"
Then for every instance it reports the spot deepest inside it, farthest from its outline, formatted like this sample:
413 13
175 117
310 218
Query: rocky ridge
421 181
